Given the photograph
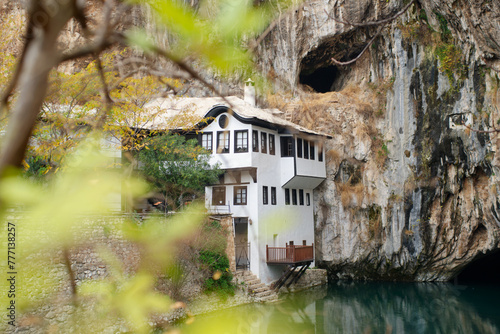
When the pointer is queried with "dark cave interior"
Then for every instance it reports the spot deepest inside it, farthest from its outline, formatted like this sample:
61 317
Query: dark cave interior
485 270
322 79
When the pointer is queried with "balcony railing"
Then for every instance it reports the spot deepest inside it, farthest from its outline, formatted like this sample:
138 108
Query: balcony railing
290 254
219 209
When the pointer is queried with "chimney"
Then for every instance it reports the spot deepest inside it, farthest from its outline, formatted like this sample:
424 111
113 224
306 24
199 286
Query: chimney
249 92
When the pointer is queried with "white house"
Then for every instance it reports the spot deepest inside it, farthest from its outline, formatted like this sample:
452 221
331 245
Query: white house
272 167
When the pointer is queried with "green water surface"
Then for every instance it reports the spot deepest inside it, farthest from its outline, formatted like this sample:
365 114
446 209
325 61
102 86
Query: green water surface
365 308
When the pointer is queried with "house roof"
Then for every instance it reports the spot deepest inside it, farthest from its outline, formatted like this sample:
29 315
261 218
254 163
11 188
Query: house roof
195 113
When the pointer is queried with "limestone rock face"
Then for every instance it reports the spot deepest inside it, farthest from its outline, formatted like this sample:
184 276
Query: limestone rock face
412 193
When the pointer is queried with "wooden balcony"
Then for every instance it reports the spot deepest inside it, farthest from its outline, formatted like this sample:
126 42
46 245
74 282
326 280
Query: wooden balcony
291 254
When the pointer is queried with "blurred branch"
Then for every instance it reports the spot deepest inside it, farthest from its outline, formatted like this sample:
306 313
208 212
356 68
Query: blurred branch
39 57
67 263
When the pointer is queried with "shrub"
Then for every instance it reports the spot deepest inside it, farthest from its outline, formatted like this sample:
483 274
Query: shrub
220 279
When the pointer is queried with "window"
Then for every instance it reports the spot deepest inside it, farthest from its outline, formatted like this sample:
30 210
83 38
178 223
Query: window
299 148
287 147
223 121
320 152
311 151
308 199
273 195
240 195
218 195
223 142
265 199
255 141
294 196
241 141
301 196
272 146
206 141
287 196
306 149
263 142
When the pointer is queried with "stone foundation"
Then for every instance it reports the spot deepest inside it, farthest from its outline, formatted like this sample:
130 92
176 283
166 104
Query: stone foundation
311 278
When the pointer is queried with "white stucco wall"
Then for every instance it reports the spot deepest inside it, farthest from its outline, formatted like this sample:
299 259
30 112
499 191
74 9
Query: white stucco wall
273 225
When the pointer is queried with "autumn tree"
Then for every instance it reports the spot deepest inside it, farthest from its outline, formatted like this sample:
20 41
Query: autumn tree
43 107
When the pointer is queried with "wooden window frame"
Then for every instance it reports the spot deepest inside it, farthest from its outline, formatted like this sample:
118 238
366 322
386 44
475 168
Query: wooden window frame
272 144
255 141
244 141
299 147
287 146
215 197
225 149
263 142
265 195
243 192
202 141
287 196
273 196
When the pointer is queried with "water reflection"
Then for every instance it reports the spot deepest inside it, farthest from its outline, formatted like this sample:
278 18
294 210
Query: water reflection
366 308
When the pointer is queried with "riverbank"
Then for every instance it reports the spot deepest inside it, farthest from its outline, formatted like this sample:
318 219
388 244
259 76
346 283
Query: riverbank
207 303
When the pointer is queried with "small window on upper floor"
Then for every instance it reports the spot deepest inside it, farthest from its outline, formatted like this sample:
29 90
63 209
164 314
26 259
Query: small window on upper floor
287 196
320 152
299 147
263 142
272 145
223 142
301 196
306 149
255 140
206 141
241 141
294 196
311 150
265 194
308 199
287 147
273 195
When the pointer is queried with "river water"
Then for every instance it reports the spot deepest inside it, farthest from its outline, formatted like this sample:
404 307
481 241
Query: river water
354 307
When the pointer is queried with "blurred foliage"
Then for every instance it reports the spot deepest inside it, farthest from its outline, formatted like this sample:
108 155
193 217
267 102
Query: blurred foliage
66 214
55 218
216 31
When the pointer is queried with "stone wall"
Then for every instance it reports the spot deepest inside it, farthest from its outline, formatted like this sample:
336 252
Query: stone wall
311 278
227 223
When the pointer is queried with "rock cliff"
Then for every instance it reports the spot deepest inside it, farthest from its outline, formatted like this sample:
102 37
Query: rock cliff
412 190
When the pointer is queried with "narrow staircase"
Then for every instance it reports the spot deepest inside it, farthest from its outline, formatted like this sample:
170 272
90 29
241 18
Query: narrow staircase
260 291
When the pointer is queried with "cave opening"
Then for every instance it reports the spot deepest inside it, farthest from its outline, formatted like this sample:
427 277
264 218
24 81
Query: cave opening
322 79
485 270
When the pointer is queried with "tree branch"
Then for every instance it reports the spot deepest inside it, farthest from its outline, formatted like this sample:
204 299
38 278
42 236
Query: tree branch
381 24
372 23
72 281
39 57
343 63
